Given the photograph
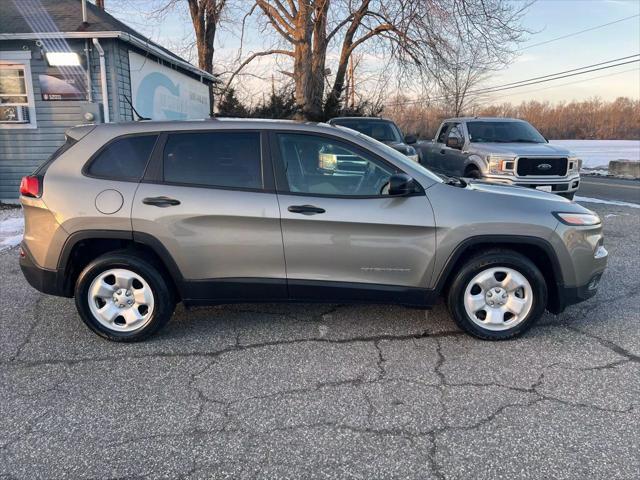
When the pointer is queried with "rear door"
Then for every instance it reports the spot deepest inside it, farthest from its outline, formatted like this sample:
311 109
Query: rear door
208 198
344 236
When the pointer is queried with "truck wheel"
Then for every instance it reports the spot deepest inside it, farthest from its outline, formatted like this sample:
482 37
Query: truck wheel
473 173
568 195
123 298
497 295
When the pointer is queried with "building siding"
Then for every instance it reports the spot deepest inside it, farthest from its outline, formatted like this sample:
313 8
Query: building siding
23 150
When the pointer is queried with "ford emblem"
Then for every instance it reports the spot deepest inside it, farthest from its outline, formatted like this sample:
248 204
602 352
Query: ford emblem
544 166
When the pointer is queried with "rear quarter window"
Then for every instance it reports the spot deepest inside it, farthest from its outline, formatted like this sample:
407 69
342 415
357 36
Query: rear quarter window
123 159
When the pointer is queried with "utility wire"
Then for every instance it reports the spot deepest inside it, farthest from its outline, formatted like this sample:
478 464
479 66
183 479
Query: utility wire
560 73
491 100
534 80
579 32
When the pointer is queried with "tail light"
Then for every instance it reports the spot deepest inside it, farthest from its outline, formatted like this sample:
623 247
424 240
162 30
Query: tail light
30 186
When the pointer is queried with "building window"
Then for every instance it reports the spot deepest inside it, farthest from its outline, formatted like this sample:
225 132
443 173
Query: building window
17 107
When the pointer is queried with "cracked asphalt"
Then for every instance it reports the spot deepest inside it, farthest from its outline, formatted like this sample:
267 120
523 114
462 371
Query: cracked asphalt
317 391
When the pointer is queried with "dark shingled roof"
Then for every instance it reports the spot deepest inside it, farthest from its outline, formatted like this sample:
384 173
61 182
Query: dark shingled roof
46 16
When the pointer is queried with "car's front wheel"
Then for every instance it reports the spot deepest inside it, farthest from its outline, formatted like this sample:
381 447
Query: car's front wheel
497 295
123 297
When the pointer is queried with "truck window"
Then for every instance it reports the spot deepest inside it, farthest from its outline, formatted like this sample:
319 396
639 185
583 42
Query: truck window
442 135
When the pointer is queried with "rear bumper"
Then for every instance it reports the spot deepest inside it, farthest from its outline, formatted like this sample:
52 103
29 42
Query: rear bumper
46 281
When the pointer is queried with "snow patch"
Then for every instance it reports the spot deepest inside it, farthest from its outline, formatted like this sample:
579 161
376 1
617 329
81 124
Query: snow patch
11 230
607 202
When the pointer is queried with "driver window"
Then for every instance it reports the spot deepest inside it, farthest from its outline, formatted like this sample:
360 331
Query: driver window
442 135
323 166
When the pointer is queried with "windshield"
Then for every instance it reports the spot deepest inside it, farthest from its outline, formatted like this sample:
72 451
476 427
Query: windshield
503 132
392 152
381 130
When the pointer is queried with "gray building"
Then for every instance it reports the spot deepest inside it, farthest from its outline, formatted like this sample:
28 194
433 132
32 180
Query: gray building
67 62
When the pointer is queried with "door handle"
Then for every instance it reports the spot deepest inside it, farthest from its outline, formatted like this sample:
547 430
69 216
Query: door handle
306 209
161 201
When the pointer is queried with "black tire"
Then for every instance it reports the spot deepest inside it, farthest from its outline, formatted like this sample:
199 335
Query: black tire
568 195
473 173
490 259
163 295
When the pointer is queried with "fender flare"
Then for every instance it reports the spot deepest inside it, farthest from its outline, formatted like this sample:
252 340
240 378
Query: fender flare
470 242
136 237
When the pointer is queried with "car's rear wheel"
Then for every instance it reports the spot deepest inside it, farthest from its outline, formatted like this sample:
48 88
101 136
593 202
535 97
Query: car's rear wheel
123 297
497 295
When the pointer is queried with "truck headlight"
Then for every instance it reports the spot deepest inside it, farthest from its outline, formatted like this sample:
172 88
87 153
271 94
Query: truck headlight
499 165
411 153
328 161
575 164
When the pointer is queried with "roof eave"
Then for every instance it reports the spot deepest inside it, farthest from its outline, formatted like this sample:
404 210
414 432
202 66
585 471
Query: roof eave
126 37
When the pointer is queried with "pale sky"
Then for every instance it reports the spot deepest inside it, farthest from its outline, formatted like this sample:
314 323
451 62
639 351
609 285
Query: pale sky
548 19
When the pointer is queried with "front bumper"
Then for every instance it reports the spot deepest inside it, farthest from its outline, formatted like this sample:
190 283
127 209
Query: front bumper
46 281
572 295
558 185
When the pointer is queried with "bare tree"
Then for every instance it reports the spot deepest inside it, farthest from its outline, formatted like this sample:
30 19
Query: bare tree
412 33
456 75
206 15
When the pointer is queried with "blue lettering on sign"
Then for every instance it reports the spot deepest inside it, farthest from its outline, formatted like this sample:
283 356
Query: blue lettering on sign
145 97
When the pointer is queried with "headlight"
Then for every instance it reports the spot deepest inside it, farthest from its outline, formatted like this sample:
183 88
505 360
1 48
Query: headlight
579 219
499 165
575 164
327 161
410 152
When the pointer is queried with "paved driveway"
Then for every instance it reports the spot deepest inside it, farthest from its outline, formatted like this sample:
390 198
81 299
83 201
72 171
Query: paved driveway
332 391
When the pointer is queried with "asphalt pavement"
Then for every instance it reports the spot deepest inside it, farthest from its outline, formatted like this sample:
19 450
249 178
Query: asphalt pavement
608 188
325 391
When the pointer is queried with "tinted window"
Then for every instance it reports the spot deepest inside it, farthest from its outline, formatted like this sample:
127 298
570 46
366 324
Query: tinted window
320 165
443 131
124 159
381 130
219 159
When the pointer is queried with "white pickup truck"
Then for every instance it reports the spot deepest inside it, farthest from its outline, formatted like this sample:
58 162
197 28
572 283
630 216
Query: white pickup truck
503 150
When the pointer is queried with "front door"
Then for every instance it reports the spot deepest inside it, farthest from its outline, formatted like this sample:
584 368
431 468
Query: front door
211 208
344 236
454 159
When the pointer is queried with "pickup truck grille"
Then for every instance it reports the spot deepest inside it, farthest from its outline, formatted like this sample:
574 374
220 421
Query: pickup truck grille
542 166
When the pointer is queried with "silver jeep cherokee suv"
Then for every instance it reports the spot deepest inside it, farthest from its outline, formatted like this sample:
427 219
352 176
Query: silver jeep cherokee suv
131 218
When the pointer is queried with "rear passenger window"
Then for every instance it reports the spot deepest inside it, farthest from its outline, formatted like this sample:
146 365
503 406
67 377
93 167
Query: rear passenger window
124 159
217 159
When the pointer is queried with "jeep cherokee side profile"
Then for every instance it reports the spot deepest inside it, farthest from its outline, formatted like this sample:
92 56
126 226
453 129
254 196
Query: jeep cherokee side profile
132 218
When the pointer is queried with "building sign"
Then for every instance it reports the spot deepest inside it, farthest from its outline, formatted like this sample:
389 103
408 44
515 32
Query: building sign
161 93
63 86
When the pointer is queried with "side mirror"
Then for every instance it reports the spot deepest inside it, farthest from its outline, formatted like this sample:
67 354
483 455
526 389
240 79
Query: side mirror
401 184
453 142
410 139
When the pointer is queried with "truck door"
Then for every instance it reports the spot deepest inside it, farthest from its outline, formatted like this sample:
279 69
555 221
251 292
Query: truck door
436 159
454 158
